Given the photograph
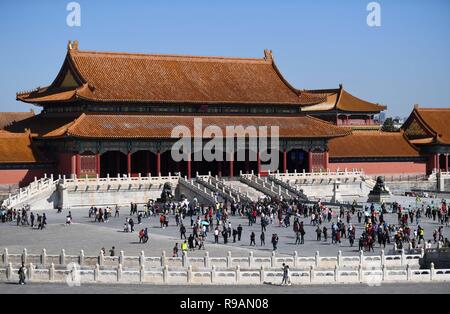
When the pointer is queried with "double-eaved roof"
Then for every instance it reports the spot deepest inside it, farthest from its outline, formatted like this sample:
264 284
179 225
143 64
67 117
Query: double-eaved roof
163 79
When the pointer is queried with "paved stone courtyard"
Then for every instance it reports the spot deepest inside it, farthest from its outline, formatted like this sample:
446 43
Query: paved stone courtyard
426 288
91 236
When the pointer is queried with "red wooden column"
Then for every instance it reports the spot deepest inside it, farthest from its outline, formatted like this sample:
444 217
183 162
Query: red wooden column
129 163
326 157
284 161
97 161
73 164
78 162
231 165
446 162
310 161
158 163
189 167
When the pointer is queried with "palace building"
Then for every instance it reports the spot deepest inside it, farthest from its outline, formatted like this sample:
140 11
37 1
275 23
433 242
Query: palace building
112 114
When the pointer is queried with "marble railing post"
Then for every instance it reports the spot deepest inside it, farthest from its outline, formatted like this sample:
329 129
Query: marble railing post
81 258
119 273
165 273
96 272
336 273
262 274
273 259
9 272
238 273
24 256
295 259
432 271
101 259
361 258
44 257
360 273
189 274
317 259
163 259
121 258
213 274
206 260
229 261
184 259
142 259
51 272
62 257
5 257
141 273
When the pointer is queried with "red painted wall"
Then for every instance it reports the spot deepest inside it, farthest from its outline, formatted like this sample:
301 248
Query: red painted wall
64 165
407 167
22 176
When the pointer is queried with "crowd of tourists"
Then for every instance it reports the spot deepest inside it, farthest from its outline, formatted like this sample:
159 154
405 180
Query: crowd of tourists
195 222
24 217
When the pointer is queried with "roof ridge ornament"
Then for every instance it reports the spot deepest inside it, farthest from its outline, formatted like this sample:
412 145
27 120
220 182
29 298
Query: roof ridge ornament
72 45
268 55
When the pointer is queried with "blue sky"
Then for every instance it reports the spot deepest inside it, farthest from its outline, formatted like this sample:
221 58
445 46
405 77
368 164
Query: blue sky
316 44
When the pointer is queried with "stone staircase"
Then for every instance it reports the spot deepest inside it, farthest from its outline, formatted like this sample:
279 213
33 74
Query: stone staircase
193 188
37 190
266 186
227 192
250 192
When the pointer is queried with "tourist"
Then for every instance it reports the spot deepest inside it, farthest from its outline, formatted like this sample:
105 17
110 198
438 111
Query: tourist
21 273
112 252
43 222
175 250
319 233
239 229
216 235
131 223
302 233
116 214
235 232
262 237
182 231
225 235
274 241
252 239
286 275
184 246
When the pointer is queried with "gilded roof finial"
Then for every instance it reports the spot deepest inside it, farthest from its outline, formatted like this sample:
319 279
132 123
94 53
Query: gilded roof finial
268 54
72 45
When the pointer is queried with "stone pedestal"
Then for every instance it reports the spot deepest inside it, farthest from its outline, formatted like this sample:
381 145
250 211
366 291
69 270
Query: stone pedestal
379 194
